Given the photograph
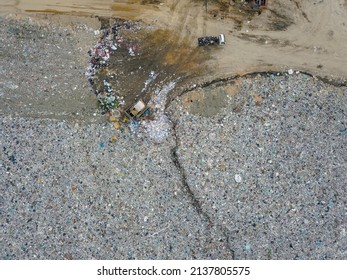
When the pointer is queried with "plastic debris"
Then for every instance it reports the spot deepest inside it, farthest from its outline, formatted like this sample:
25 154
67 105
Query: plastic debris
344 131
134 126
159 127
113 118
110 41
131 51
238 178
151 78
150 118
117 125
114 139
290 71
146 112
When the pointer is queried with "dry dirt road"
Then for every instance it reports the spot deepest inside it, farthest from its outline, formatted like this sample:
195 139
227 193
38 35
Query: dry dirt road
301 35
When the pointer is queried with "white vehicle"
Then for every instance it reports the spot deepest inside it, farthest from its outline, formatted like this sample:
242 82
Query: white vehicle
221 39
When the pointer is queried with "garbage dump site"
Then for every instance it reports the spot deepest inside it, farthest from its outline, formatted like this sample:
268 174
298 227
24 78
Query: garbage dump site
113 148
110 59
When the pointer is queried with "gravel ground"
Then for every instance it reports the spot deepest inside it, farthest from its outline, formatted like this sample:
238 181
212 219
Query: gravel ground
260 176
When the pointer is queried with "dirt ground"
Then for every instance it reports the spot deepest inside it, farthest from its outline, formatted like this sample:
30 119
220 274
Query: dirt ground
301 35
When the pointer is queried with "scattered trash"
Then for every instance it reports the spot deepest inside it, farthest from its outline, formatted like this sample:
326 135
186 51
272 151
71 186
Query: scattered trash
131 52
112 118
73 188
159 127
238 178
102 145
114 139
146 112
116 125
151 78
8 85
146 118
110 41
290 71
134 126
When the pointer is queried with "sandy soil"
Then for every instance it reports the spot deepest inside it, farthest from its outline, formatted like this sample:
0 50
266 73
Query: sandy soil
302 35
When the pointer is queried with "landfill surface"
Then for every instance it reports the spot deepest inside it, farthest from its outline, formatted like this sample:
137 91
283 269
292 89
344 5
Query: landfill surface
249 168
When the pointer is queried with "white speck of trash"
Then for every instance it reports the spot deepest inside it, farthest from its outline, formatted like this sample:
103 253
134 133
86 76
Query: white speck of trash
248 247
290 71
238 178
145 218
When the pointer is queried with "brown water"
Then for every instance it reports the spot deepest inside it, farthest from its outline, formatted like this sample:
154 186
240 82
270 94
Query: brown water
79 7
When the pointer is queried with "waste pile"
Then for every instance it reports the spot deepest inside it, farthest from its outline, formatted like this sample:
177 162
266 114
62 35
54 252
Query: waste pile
152 121
158 127
110 41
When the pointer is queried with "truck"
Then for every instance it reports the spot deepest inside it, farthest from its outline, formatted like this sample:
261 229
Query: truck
135 111
211 40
